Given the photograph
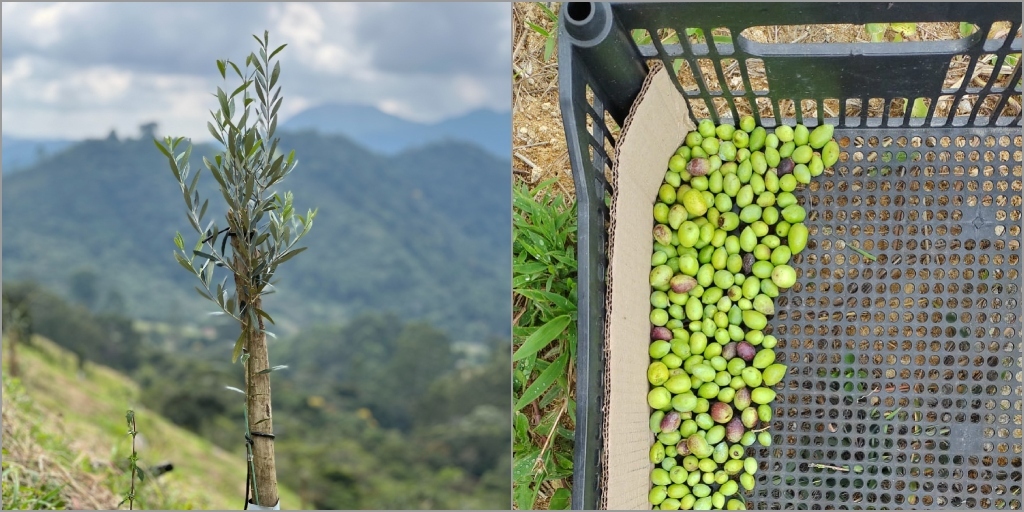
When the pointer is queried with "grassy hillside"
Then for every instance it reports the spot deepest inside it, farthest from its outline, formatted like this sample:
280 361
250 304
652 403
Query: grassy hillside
65 443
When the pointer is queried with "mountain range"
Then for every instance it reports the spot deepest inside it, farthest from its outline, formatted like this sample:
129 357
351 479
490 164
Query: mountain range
366 125
424 233
389 134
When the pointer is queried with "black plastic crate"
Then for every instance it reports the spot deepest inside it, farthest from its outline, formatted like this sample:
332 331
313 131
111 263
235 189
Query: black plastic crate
935 323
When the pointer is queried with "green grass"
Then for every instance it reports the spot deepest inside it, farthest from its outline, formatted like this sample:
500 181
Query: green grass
77 422
550 35
544 334
25 488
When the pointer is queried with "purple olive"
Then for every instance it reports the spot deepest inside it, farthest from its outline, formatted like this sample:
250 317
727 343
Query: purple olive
742 399
729 350
748 263
786 166
682 283
662 333
682 449
734 430
670 422
746 351
721 412
698 167
749 417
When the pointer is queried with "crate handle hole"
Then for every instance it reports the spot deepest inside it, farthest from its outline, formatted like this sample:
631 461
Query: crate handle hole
580 12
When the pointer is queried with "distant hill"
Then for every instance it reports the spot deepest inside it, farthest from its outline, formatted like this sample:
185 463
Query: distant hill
424 233
389 134
19 153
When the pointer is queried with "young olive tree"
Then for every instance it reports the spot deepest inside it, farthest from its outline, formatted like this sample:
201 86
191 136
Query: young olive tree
261 232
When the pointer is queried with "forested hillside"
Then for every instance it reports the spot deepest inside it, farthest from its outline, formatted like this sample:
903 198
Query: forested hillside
423 234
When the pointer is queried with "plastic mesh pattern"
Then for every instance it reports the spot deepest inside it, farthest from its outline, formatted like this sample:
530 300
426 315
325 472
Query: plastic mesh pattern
904 388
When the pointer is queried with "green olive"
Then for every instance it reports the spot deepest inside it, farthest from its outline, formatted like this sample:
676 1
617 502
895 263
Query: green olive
677 491
802 154
659 349
657 495
747 481
676 384
784 276
659 398
784 132
830 154
727 151
741 139
772 156
786 150
773 374
802 173
678 475
750 466
657 374
660 277
667 194
751 376
757 138
657 453
725 131
781 255
706 128
710 145
821 136
659 317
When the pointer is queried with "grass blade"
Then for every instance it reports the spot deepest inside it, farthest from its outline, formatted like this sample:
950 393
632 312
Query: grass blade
544 381
541 337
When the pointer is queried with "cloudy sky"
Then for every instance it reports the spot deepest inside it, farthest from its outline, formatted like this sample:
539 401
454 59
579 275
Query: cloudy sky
75 70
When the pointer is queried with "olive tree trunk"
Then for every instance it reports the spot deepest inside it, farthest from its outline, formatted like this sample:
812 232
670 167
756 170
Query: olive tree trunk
257 386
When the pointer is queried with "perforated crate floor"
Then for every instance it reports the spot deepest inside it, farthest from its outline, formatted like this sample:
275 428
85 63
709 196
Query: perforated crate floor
904 388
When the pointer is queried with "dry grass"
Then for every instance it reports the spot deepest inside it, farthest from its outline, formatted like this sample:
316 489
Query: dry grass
539 150
538 139
45 467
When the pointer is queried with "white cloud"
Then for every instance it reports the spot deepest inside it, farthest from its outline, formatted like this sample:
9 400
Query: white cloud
301 23
304 27
78 70
45 24
18 71
105 84
396 107
470 90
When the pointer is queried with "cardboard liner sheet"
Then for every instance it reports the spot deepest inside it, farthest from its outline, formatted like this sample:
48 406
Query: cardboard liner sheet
657 123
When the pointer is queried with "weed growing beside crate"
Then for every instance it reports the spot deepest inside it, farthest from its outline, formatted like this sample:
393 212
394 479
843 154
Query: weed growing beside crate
544 333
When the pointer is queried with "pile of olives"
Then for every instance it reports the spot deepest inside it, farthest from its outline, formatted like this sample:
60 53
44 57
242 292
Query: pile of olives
727 225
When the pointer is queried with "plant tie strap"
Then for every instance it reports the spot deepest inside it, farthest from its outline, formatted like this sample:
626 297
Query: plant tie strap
248 466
